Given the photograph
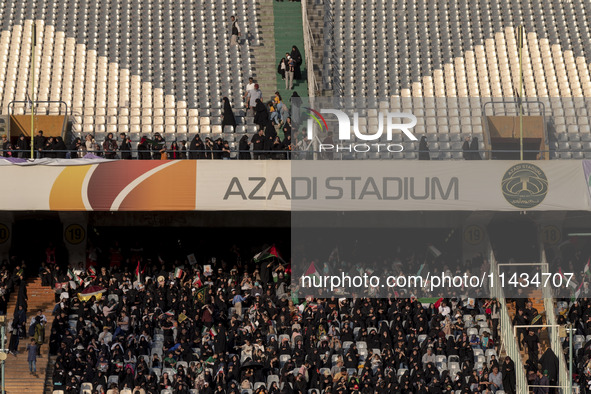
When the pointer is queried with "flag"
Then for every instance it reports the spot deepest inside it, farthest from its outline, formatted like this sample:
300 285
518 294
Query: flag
434 251
197 282
78 280
91 272
436 305
211 331
271 251
421 269
178 273
182 317
571 284
138 272
170 313
311 271
70 274
578 291
202 294
587 269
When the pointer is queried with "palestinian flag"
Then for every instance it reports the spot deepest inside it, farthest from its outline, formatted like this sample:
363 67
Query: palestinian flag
197 282
313 272
139 272
578 291
268 253
438 303
201 294
178 273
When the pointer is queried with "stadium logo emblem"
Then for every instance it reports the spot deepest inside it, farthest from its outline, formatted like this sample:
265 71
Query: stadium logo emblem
524 185
386 124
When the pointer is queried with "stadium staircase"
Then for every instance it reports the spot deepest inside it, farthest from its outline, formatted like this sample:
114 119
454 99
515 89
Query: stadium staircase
264 55
536 297
18 378
289 31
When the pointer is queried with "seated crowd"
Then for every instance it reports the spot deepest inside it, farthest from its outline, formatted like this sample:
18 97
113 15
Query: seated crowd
239 328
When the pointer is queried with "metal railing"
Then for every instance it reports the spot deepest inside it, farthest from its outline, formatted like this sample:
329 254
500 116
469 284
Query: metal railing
308 42
506 330
563 377
308 154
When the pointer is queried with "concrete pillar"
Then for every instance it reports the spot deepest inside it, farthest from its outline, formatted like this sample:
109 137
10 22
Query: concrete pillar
6 220
75 225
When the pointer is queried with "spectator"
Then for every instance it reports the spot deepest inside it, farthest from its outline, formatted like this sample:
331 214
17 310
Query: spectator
254 95
60 148
110 147
125 147
474 149
6 146
508 370
249 87
228 118
22 147
143 149
235 33
281 67
244 148
183 149
496 380
258 144
466 149
158 148
197 148
32 356
39 143
424 149
174 151
290 73
261 115
296 56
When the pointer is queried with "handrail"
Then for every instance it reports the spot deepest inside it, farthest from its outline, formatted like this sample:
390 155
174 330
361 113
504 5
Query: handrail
506 330
308 40
555 343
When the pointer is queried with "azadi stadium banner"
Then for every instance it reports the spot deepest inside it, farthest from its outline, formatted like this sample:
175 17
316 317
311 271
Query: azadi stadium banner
220 185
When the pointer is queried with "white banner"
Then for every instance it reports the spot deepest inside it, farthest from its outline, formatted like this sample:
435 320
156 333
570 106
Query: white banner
220 185
394 186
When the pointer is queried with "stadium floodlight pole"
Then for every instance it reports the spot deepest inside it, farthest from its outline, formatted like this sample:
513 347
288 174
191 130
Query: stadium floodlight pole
33 47
520 92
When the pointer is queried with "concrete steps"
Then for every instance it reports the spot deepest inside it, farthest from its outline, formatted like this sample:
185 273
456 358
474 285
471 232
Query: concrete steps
18 378
265 63
536 297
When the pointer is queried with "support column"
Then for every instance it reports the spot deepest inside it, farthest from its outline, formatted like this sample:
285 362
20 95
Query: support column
75 236
6 220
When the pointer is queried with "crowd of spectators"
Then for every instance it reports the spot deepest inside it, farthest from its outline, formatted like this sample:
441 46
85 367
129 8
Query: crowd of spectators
235 325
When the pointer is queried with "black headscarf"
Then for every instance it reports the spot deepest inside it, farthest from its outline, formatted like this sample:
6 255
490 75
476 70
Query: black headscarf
424 149
474 149
228 114
261 115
